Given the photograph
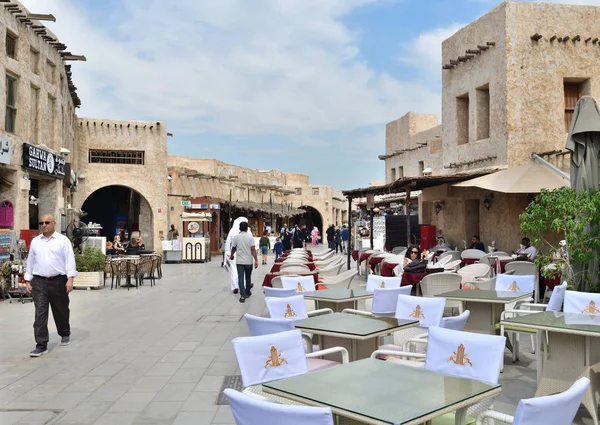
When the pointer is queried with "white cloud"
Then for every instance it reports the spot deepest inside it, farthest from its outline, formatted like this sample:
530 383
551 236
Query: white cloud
232 66
425 52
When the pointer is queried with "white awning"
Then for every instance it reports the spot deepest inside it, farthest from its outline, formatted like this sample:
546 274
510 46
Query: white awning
529 178
195 216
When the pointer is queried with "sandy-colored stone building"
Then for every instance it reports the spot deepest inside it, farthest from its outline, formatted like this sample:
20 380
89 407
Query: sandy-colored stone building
38 134
510 81
270 199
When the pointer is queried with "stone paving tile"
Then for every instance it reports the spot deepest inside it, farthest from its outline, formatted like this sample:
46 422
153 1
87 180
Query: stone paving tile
150 384
85 413
132 402
175 392
36 418
223 416
159 412
201 401
11 418
121 418
194 418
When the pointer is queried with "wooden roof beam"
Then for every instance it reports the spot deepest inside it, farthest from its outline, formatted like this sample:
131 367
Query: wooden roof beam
41 17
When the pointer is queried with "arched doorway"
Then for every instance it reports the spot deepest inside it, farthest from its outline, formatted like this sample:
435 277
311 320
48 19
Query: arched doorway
311 218
120 210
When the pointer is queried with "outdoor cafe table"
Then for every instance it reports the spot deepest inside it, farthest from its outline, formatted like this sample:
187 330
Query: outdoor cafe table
270 276
573 349
357 333
277 267
387 269
337 299
485 306
377 392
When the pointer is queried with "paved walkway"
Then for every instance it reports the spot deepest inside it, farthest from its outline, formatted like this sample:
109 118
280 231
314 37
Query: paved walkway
148 356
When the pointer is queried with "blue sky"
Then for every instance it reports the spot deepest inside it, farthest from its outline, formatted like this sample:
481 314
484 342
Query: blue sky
305 86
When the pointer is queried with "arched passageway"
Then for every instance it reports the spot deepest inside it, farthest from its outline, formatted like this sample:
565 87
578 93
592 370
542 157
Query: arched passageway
120 210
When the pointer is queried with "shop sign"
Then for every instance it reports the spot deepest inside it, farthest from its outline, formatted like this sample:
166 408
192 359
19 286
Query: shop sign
215 206
5 146
186 204
43 161
193 227
199 206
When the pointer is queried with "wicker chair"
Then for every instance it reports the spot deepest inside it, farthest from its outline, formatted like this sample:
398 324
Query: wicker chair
343 280
294 268
452 265
108 270
146 268
454 255
438 283
474 272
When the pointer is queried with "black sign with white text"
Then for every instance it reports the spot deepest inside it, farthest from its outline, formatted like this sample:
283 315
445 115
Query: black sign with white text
43 161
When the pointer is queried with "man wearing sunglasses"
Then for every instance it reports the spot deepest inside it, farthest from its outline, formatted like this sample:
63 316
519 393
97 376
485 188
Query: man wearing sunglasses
49 277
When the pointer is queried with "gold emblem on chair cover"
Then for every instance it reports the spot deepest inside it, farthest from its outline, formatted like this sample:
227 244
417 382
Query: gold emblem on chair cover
418 313
591 309
300 288
382 285
275 359
514 287
460 358
289 312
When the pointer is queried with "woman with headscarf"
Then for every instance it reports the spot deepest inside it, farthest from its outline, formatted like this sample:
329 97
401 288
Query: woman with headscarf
314 235
230 264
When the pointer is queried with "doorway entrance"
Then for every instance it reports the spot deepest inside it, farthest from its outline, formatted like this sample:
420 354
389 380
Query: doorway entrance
121 211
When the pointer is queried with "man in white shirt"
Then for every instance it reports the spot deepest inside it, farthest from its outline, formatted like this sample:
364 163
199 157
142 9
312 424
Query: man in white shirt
243 246
49 277
527 249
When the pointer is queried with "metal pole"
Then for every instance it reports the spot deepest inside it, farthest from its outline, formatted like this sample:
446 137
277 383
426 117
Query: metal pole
371 229
349 253
558 171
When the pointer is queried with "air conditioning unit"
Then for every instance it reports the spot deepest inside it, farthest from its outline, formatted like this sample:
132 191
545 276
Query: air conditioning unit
98 242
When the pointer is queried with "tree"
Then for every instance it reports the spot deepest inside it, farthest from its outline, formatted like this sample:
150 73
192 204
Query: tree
574 215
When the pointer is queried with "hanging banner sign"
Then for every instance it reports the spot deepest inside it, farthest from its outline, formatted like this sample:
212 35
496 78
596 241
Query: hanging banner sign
43 161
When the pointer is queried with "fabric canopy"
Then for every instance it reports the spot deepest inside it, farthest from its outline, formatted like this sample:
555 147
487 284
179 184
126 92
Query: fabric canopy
529 178
584 143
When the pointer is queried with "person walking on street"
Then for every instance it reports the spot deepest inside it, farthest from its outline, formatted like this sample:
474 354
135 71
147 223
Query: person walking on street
345 237
243 246
49 279
265 245
330 235
173 234
278 248
297 237
337 239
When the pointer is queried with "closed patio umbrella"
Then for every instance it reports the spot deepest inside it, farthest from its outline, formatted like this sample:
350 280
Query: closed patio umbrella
583 141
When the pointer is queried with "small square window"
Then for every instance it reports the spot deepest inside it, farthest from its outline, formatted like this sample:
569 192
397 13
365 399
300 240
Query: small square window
298 191
35 61
315 191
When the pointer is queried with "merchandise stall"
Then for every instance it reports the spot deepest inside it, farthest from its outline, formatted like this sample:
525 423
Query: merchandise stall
196 236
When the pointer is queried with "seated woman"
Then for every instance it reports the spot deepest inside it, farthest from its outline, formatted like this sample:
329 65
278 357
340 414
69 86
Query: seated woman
414 260
133 248
140 244
117 245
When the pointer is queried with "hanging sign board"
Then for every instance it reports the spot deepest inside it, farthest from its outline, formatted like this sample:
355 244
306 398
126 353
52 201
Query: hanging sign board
186 204
43 161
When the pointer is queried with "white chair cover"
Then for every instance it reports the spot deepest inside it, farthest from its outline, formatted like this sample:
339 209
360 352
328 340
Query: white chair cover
582 302
385 299
465 354
557 409
279 292
376 281
506 282
292 308
299 283
264 326
472 253
456 323
428 311
270 357
248 410
557 298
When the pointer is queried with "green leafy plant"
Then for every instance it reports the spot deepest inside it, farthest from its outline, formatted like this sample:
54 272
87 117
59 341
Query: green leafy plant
574 216
89 260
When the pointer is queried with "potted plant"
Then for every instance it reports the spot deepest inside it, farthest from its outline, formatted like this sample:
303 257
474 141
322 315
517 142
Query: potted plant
90 268
573 216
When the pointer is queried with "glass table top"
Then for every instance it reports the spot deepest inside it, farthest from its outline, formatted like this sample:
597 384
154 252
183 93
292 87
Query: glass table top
337 294
485 295
353 324
558 320
380 390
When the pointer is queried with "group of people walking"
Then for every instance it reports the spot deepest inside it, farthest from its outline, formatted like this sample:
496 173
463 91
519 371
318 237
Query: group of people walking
337 238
